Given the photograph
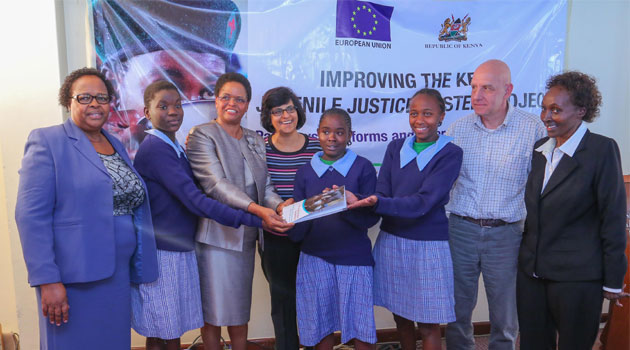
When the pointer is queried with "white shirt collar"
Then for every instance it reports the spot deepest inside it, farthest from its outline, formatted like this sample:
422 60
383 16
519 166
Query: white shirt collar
179 150
342 165
407 153
569 146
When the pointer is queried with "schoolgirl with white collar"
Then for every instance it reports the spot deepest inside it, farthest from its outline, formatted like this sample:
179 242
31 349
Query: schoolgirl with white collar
334 276
413 272
165 309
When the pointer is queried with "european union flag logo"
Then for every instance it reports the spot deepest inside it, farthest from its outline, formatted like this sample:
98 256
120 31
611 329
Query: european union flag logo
363 20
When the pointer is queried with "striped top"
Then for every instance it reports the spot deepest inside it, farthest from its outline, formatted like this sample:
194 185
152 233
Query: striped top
283 165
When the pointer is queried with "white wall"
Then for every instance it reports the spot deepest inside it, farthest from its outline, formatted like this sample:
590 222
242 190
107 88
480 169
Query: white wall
30 79
44 50
599 45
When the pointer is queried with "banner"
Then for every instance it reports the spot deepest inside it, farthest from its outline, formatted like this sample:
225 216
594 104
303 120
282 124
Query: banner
366 57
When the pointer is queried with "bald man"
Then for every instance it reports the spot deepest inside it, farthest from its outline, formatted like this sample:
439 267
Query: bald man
487 208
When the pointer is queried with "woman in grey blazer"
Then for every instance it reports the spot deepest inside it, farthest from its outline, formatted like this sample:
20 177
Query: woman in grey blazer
229 162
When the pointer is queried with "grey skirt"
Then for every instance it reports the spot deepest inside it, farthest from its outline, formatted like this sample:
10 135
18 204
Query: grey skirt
226 279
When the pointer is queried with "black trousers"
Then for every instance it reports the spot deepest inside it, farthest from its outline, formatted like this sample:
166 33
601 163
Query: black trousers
570 310
279 263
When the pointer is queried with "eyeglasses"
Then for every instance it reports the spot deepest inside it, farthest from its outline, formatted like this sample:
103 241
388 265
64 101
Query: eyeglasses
227 98
277 112
86 99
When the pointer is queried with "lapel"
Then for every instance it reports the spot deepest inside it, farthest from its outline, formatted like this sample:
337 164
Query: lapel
255 162
565 168
83 145
538 172
224 147
120 149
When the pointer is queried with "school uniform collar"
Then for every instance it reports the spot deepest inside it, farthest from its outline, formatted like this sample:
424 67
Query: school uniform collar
407 153
569 146
179 150
342 165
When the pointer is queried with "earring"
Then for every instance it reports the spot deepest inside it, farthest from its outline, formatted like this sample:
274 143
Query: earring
439 124
349 143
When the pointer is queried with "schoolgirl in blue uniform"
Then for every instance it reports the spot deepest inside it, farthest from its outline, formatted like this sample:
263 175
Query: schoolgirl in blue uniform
413 274
163 310
334 275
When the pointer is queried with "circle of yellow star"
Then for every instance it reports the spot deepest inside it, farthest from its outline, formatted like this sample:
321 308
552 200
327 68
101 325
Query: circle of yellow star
354 25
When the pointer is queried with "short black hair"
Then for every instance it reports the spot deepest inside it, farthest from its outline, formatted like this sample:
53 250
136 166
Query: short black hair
433 93
233 77
276 97
582 90
340 112
65 91
155 87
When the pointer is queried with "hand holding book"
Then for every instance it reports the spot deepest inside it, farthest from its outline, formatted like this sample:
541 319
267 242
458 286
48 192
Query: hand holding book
326 203
354 202
284 204
271 220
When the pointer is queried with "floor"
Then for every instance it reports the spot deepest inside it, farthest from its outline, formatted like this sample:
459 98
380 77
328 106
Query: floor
481 343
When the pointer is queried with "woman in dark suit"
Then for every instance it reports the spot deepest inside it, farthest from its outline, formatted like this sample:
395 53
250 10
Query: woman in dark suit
229 162
572 252
84 222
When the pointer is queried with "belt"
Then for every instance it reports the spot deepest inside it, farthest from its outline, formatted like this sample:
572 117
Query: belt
484 222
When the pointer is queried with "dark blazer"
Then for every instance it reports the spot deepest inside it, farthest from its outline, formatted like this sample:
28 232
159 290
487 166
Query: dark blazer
64 211
575 229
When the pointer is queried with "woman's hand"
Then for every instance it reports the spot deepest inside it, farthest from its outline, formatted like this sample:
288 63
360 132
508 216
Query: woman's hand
271 220
284 204
54 302
354 202
616 296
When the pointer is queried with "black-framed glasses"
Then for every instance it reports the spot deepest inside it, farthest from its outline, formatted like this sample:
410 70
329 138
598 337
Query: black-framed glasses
227 98
86 99
277 112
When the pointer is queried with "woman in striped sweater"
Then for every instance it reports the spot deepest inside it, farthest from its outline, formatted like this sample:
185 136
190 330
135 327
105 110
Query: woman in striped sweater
287 150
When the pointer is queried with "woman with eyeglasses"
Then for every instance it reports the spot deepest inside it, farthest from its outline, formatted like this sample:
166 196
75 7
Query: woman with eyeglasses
84 222
287 150
229 162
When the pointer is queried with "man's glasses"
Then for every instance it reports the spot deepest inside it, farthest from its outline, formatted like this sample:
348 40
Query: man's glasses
86 99
277 112
227 98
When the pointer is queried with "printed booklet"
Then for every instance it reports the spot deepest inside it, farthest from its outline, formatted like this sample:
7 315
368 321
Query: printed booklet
323 204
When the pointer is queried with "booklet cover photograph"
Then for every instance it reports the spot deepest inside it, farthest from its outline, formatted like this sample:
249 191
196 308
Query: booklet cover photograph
323 204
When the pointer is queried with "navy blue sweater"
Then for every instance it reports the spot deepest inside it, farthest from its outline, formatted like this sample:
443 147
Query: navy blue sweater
176 201
340 238
411 201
